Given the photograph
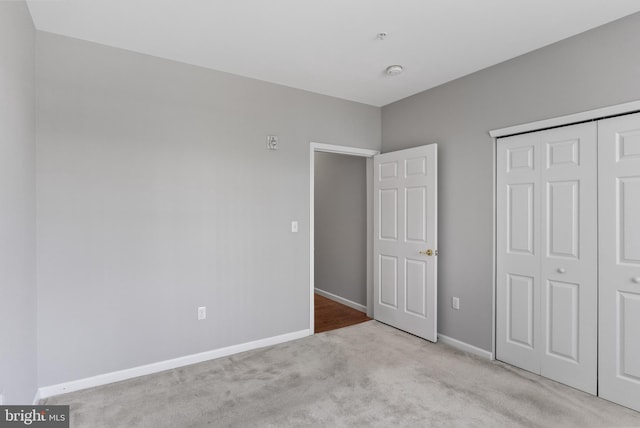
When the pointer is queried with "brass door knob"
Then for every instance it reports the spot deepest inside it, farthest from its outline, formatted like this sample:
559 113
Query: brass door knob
427 253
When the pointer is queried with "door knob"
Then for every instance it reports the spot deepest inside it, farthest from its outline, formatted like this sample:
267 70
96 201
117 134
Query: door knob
636 279
561 270
427 253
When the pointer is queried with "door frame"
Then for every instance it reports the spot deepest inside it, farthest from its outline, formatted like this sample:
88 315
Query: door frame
351 151
570 119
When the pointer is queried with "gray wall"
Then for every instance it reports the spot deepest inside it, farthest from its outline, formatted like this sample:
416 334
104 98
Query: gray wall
156 195
340 235
17 202
595 69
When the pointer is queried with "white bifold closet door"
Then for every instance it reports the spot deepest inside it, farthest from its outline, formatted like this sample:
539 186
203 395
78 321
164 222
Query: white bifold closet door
619 190
547 254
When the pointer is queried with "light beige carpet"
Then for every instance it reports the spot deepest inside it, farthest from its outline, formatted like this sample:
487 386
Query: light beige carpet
367 375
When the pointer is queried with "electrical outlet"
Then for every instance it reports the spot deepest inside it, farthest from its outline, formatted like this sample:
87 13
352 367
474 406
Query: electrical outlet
202 313
455 303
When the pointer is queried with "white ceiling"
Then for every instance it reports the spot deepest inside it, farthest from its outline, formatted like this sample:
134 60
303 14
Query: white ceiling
330 46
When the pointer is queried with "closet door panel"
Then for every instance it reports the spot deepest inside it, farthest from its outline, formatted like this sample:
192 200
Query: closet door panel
569 255
619 303
547 254
518 298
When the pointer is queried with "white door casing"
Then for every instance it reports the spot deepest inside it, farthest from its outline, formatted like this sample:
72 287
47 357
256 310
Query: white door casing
405 228
619 276
345 150
547 254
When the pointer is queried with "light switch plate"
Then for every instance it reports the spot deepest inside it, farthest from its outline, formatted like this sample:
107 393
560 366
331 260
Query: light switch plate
202 313
294 226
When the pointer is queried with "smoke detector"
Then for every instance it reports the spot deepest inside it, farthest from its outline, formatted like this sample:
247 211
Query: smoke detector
394 70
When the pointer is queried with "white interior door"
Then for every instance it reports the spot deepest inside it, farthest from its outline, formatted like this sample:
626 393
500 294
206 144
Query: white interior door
547 254
405 240
619 212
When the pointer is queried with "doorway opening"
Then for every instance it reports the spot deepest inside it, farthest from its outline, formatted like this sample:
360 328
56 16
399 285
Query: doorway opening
330 314
340 280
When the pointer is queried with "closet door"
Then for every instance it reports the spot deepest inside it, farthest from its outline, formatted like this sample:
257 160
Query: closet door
569 256
547 254
518 246
619 212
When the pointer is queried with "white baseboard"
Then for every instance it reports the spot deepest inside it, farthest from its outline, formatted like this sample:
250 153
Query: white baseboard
346 302
465 347
103 379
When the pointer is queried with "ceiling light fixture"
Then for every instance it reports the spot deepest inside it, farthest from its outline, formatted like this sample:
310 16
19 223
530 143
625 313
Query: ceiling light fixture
382 35
394 70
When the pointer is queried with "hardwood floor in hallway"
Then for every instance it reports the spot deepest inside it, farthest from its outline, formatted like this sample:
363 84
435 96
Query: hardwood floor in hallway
330 315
